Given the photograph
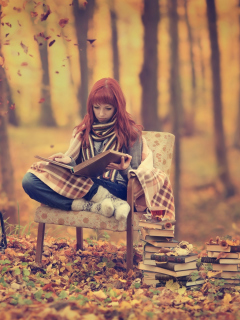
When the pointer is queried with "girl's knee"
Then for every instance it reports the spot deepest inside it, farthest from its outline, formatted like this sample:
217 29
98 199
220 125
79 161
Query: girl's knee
27 182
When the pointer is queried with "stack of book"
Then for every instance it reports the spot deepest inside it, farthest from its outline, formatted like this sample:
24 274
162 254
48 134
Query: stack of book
224 258
159 262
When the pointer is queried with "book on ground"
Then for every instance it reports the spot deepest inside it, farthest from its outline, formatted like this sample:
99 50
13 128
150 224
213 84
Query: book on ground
93 167
156 269
225 267
217 247
230 255
220 261
177 266
176 259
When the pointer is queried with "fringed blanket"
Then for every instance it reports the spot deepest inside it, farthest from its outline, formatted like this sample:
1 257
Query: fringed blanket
153 190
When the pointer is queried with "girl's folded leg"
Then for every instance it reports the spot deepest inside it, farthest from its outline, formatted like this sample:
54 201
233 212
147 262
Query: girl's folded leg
39 191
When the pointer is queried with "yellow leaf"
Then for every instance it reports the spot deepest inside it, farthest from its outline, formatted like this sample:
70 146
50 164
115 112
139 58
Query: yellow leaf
211 274
134 302
182 290
173 286
227 298
125 305
100 295
122 280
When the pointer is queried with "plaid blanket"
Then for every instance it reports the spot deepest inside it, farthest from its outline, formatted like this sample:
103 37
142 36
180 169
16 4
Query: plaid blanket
153 188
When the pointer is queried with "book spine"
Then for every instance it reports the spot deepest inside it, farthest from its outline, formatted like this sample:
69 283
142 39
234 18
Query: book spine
159 258
175 259
209 260
235 249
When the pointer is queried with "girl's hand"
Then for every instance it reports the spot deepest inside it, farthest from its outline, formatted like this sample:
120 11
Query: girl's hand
125 162
60 157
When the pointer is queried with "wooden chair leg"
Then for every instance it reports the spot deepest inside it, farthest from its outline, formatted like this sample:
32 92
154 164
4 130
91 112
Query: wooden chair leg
40 238
79 234
130 225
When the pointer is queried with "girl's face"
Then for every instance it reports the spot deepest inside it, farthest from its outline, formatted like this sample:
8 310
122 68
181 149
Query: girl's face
103 112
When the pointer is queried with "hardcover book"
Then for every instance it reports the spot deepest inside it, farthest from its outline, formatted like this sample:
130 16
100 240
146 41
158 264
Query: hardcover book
217 247
153 224
230 255
146 232
155 246
93 167
176 259
220 261
225 267
177 266
176 274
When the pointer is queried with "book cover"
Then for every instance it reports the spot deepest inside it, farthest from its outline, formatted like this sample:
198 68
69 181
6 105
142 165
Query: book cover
216 247
176 274
230 255
224 267
155 247
167 224
228 274
176 259
156 233
93 167
220 261
177 266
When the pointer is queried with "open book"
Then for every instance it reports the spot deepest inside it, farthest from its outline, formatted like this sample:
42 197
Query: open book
93 167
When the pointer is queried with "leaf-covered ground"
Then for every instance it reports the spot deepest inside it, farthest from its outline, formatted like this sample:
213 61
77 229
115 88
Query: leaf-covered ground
94 284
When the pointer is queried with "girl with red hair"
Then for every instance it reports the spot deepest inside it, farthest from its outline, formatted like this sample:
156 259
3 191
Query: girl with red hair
107 125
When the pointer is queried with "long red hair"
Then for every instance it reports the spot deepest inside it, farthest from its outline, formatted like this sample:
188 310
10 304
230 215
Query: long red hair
108 91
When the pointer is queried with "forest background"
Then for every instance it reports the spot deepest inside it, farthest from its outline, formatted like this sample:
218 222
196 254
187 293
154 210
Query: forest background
178 63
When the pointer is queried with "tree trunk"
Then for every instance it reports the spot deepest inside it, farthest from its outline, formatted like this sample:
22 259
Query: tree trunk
114 42
149 73
7 180
236 143
46 113
220 146
175 100
202 68
82 16
12 115
190 121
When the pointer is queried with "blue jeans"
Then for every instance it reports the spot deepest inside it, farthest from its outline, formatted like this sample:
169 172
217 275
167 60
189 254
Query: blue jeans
39 191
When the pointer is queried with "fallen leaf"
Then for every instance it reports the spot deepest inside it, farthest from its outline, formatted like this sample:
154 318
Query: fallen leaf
25 48
45 15
91 40
17 9
100 295
24 64
63 22
51 43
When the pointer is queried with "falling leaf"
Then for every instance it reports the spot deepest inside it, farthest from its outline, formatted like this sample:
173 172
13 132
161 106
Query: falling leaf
12 107
19 73
25 48
41 100
7 34
56 71
19 23
85 3
17 9
51 146
18 91
1 61
91 40
24 4
23 64
47 38
45 15
30 55
4 3
51 43
63 22
33 14
8 24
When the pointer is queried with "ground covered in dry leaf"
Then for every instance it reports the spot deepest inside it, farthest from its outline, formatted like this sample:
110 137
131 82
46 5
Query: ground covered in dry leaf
93 284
